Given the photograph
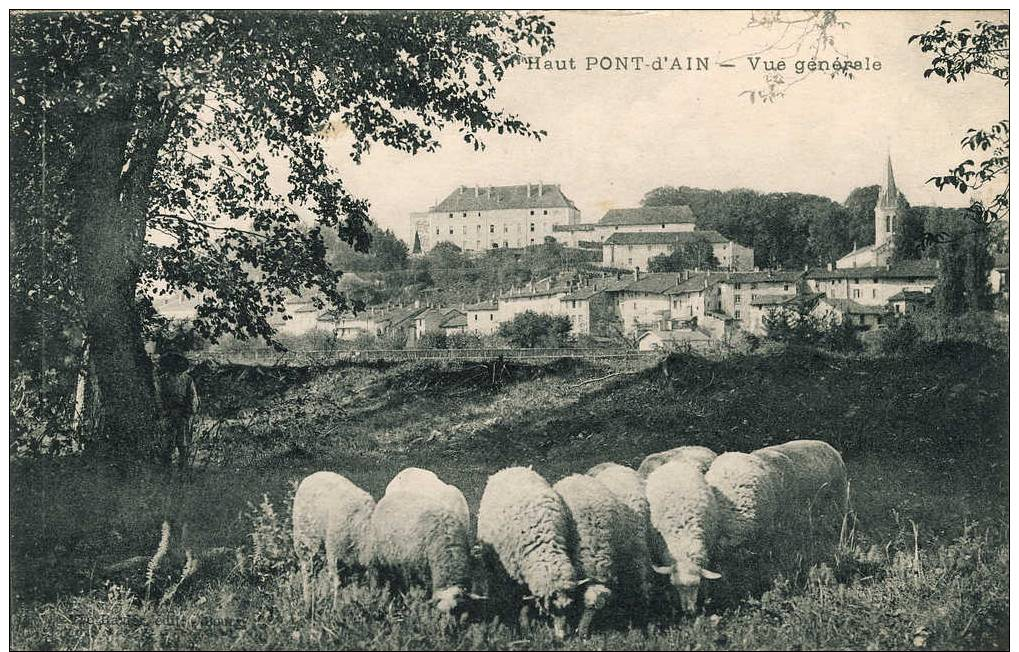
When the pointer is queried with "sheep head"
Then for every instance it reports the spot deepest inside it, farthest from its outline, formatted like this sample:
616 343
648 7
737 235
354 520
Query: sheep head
686 576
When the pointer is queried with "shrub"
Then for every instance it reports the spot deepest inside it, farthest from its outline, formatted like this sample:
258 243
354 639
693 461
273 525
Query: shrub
434 340
899 337
464 341
271 553
531 329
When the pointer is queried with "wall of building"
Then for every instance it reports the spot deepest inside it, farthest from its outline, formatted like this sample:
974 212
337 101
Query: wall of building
734 298
869 291
642 310
480 230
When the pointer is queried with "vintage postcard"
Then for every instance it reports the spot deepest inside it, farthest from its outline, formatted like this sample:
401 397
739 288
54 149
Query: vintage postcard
498 329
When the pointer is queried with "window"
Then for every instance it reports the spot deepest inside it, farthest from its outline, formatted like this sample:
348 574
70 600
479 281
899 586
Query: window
737 314
544 212
873 294
736 300
735 285
532 212
475 316
753 286
785 288
491 228
465 214
532 224
451 215
436 232
491 317
451 230
856 294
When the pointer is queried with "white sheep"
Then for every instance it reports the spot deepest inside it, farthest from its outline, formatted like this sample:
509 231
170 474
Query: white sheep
700 456
424 481
524 528
684 513
419 535
814 492
329 512
748 491
611 547
629 487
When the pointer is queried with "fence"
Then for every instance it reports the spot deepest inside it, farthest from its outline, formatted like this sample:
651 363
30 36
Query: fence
309 358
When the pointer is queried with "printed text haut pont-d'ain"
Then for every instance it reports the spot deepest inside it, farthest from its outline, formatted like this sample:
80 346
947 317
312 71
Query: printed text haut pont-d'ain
692 63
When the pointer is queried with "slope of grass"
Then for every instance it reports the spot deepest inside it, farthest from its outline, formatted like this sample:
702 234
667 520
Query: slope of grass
925 441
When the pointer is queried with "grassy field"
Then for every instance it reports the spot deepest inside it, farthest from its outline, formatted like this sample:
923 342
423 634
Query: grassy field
924 439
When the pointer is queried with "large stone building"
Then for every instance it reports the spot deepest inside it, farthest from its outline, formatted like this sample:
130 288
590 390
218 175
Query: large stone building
887 214
634 249
493 217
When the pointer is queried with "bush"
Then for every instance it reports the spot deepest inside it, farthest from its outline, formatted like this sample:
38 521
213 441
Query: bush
899 337
531 330
434 340
464 341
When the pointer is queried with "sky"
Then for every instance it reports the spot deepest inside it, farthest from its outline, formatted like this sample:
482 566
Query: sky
614 135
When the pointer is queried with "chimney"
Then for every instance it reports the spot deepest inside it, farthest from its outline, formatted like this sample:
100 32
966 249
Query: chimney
686 274
854 245
528 190
636 273
477 191
829 267
541 188
488 192
461 191
417 303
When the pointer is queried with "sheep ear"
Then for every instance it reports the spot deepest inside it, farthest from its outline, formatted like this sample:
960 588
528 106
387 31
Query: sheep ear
584 581
475 596
531 598
663 570
710 575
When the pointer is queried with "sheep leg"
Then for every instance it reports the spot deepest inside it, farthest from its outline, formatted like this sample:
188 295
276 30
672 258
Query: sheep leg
333 568
306 591
584 627
525 617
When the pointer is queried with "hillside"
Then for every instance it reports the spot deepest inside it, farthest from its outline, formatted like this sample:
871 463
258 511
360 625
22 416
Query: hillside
925 441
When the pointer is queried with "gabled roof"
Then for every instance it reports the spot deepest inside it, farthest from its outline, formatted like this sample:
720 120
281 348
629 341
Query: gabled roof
911 295
657 283
484 305
907 269
582 294
699 282
489 198
664 237
455 319
766 276
648 215
677 335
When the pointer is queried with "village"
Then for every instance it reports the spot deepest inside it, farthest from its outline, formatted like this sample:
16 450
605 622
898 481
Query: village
618 296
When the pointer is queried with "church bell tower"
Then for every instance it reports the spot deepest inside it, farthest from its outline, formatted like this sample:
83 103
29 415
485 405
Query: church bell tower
886 212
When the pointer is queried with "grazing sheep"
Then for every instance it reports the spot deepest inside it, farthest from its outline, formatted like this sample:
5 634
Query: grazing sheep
631 488
330 512
421 537
611 547
748 490
700 456
524 529
813 479
684 513
424 481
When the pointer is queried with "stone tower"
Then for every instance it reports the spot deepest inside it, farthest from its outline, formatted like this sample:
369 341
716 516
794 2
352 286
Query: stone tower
886 212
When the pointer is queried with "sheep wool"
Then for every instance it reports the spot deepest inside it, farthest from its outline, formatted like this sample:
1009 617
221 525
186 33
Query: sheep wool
684 513
611 549
699 456
748 491
329 512
526 525
422 539
425 482
814 482
629 487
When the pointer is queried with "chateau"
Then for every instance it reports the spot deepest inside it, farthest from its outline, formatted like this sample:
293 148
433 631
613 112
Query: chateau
494 217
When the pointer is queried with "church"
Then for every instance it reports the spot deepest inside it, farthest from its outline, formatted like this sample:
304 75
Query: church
887 212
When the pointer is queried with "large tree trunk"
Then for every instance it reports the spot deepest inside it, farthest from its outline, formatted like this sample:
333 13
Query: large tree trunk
111 202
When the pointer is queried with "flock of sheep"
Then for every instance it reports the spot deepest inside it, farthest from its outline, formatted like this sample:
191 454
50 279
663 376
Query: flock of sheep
611 536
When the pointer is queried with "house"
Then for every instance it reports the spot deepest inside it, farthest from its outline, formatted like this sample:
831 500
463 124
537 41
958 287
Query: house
542 296
643 303
645 219
447 320
667 340
907 301
874 286
696 296
481 317
887 213
762 305
493 217
633 250
738 289
862 315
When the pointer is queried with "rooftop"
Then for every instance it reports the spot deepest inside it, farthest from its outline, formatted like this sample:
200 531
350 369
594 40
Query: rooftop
850 307
905 269
648 215
677 335
572 227
911 295
766 276
664 237
488 198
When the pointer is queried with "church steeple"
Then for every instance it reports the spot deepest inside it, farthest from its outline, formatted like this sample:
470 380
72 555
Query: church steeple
889 195
887 209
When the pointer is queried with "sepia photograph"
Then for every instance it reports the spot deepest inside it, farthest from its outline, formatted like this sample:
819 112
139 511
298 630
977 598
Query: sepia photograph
508 329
